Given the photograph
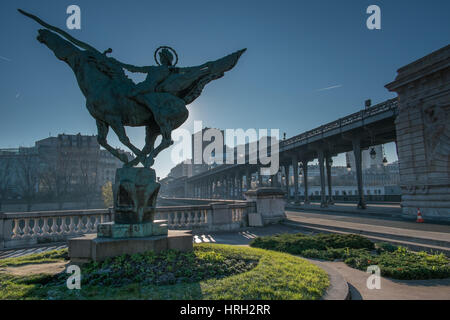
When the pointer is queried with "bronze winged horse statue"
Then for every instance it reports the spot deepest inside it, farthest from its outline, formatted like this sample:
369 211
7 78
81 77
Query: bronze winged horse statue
158 103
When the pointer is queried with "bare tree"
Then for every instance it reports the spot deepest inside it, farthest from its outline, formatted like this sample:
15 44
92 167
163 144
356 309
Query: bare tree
5 178
88 186
57 176
28 177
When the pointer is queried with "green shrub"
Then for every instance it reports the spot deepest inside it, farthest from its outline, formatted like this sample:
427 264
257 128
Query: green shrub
385 246
298 243
404 264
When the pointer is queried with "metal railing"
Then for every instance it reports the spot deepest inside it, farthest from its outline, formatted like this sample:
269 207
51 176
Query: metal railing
387 105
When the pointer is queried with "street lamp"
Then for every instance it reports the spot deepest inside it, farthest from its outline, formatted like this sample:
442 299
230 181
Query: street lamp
385 162
349 167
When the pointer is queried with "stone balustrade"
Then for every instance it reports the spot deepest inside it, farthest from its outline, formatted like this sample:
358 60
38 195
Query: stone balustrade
33 228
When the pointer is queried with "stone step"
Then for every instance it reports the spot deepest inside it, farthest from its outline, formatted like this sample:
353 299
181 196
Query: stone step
415 244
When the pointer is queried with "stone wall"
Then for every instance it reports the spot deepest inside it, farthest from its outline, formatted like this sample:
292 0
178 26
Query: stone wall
423 135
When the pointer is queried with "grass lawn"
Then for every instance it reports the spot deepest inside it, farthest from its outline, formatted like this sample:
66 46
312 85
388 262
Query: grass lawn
359 252
211 271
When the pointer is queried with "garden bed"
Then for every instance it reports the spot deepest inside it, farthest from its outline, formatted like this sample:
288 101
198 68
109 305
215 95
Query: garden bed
211 271
359 252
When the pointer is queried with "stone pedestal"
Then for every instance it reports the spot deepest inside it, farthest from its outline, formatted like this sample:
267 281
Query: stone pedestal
133 229
91 248
423 135
270 205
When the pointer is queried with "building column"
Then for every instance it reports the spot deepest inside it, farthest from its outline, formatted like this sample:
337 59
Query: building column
358 164
295 173
323 201
330 191
305 180
286 180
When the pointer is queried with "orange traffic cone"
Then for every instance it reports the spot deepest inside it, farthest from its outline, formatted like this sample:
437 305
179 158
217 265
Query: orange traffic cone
419 216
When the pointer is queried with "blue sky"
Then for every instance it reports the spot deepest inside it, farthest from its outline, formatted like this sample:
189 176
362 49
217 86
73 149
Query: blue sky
295 50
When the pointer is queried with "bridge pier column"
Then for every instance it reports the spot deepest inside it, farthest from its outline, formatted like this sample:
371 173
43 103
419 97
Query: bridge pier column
286 181
295 173
330 190
210 188
305 180
205 190
233 186
358 163
240 179
323 201
229 187
225 187
248 179
260 182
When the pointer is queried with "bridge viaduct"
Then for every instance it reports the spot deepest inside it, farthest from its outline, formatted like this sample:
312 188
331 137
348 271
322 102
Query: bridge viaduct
418 121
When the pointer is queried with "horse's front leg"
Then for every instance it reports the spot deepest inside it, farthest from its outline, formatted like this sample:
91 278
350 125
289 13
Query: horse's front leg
102 129
151 133
165 143
119 129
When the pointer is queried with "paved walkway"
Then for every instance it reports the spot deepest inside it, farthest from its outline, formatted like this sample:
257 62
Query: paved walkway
14 253
381 224
387 209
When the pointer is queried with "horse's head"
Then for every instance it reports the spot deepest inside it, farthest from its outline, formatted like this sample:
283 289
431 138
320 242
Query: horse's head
62 48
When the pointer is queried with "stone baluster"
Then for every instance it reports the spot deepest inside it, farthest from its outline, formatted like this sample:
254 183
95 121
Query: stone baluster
36 228
72 226
17 232
27 228
45 227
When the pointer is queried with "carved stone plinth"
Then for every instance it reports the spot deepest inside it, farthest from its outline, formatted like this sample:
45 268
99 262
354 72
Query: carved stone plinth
270 205
135 193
